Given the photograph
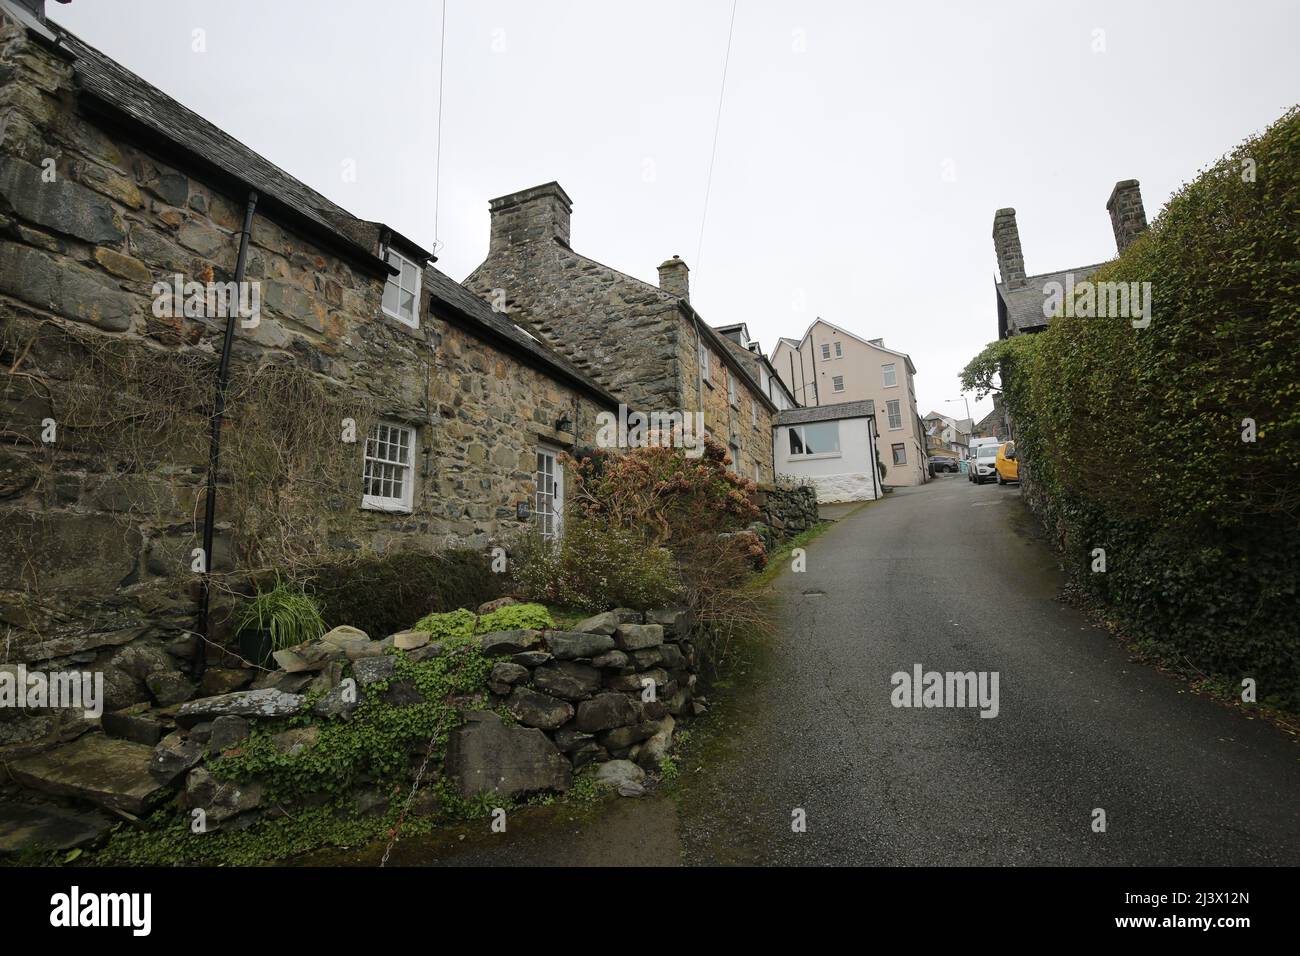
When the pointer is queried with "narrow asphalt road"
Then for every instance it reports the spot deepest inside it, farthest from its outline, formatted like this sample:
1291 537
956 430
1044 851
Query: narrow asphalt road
952 577
955 577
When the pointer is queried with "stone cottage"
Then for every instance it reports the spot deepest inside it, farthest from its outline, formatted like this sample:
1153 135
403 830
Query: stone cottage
645 343
373 402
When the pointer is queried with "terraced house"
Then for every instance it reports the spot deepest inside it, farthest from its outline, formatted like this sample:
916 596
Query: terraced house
372 403
644 342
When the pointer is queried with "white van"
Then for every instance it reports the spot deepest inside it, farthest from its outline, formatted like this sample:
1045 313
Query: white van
983 453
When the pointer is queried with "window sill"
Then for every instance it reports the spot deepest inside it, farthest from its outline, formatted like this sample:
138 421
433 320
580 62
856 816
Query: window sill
824 455
386 507
401 321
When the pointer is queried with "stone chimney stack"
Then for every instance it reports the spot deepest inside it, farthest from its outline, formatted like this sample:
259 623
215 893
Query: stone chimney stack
1006 243
673 277
1127 217
540 213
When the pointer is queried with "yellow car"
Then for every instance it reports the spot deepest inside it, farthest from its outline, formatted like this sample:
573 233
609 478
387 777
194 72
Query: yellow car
1006 466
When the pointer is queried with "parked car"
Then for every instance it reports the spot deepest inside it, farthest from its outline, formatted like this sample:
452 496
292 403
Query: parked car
983 464
943 463
1005 465
972 472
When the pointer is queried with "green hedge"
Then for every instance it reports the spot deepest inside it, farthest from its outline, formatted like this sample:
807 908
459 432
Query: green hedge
383 594
1131 439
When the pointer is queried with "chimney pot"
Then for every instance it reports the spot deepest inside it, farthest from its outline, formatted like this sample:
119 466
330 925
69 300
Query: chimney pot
1127 217
539 213
1006 243
674 277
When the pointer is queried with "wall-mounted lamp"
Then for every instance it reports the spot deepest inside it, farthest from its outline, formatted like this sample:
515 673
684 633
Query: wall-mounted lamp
563 423
521 511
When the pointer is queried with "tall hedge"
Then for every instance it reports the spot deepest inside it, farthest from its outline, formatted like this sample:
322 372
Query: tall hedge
1132 438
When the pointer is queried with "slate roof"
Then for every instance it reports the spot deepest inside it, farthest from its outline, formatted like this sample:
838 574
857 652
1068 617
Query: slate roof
141 103
1023 306
826 413
501 328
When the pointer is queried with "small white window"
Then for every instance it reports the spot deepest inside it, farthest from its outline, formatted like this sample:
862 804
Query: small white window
402 291
549 507
734 450
826 351
388 479
891 377
837 382
900 454
731 389
839 350
895 415
704 361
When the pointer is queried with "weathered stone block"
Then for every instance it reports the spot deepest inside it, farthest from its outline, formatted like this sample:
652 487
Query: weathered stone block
571 645
608 621
635 637
484 755
605 712
567 679
534 709
263 704
62 205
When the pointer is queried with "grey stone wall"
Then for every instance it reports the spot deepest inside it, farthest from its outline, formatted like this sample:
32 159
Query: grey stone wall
788 511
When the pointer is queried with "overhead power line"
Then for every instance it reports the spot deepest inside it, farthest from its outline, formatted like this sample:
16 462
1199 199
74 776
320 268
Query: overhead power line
713 153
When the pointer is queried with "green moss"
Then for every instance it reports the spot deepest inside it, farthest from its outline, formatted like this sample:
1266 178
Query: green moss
515 617
457 623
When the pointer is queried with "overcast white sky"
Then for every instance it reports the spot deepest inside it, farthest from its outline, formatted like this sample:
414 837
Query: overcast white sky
829 196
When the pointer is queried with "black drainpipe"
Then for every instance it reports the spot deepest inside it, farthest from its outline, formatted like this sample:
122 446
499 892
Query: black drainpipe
199 661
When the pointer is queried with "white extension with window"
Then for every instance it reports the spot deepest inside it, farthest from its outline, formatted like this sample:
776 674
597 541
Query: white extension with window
549 498
388 475
402 291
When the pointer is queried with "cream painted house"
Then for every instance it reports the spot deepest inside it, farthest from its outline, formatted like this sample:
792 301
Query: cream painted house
831 366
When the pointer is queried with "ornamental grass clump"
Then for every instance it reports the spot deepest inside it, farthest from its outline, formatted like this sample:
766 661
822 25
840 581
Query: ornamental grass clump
286 614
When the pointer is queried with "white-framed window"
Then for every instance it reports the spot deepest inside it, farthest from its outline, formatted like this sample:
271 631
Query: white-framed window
815 438
704 361
734 450
837 383
826 351
549 500
895 415
900 454
758 478
764 381
388 475
753 411
731 389
891 375
402 291
839 350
